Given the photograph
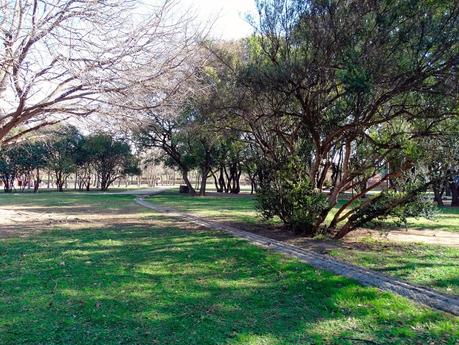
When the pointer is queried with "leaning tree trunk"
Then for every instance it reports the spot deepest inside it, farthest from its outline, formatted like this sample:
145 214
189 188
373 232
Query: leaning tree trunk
218 187
187 182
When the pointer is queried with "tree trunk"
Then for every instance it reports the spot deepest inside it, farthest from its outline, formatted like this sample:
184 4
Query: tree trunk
438 195
187 182
454 194
202 190
59 182
221 181
37 181
217 186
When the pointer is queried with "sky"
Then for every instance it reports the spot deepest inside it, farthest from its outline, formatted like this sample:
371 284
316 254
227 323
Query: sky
229 16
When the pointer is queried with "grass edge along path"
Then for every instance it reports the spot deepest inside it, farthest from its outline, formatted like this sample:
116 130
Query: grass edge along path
367 277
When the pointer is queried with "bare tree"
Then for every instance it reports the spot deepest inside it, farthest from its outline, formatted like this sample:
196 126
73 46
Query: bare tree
61 58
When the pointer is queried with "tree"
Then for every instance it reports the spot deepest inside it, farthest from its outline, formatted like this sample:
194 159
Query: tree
110 158
22 162
61 148
83 160
358 83
9 170
30 158
442 161
70 57
162 132
185 143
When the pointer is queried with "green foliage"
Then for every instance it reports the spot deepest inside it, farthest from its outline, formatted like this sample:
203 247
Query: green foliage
8 169
61 150
111 158
365 82
288 193
20 160
406 200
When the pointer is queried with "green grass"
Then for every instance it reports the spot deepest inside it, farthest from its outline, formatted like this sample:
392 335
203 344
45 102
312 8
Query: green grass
160 284
239 209
242 209
432 266
48 200
445 219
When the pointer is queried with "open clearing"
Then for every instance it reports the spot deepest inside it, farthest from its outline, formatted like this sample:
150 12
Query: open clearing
121 274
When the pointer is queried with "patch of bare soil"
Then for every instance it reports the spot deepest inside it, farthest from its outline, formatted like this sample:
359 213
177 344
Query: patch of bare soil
436 237
22 221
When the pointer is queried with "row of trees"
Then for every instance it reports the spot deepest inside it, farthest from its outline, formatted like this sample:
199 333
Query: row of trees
63 152
325 98
186 143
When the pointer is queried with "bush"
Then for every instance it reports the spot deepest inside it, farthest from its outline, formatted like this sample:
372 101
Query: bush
287 192
408 199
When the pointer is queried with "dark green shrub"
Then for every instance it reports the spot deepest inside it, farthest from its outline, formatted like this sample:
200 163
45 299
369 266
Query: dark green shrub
286 192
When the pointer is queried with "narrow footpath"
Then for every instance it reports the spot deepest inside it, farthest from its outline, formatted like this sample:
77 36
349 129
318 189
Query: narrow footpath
365 276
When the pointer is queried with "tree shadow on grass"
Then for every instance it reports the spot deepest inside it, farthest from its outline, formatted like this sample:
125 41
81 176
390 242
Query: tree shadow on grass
160 285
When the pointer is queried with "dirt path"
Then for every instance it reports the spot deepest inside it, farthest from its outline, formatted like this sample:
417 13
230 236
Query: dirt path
419 294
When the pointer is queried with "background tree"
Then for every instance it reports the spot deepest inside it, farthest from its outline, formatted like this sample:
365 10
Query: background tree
110 158
364 81
9 169
61 148
69 57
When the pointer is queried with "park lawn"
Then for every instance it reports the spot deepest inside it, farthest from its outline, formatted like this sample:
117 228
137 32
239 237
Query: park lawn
159 283
445 219
50 200
243 209
433 266
228 207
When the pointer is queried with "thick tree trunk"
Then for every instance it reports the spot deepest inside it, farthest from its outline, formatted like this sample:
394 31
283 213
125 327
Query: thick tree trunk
7 185
202 190
59 182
